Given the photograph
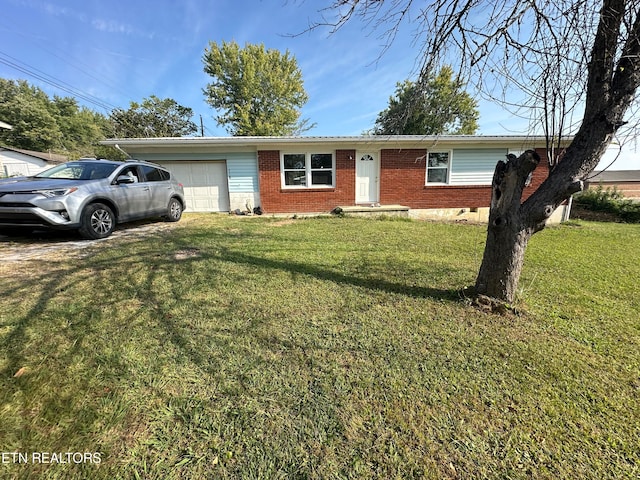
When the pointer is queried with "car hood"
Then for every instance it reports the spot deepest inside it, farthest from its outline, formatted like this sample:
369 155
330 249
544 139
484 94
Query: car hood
31 184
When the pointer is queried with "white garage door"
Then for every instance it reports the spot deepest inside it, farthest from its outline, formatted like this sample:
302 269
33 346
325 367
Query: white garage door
206 187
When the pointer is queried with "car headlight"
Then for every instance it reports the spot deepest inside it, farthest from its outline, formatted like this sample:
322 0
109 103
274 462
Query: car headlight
59 192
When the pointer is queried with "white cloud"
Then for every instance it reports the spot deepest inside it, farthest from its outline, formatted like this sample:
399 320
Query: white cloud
112 26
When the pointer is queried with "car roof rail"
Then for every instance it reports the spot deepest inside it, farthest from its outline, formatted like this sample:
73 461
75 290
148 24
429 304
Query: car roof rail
93 159
146 162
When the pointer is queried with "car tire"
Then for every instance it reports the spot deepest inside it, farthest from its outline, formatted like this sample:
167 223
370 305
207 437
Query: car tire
98 221
174 210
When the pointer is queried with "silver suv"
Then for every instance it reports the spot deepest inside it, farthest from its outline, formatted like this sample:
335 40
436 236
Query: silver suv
90 196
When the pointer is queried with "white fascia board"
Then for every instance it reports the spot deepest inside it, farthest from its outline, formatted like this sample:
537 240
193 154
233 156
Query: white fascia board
381 141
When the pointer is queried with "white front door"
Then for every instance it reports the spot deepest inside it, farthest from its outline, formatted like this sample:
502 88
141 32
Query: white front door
367 175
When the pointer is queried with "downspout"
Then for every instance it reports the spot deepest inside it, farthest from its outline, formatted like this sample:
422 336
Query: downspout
567 210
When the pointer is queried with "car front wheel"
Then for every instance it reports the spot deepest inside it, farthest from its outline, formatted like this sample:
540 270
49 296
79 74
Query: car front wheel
174 210
98 221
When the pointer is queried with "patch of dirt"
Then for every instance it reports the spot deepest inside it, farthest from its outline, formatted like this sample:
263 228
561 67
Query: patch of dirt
187 253
41 245
579 213
283 222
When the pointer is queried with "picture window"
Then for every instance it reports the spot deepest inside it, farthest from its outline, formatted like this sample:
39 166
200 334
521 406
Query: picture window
307 170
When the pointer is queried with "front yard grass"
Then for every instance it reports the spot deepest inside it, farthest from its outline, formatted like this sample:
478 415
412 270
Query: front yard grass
322 348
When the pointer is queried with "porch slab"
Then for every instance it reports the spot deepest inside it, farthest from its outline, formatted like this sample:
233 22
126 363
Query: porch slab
373 210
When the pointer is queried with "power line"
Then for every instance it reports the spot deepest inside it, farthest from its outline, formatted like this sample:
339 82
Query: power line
63 56
54 82
83 68
38 74
50 80
64 86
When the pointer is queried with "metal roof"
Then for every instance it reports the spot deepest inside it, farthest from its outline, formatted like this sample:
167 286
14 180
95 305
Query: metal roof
390 141
615 176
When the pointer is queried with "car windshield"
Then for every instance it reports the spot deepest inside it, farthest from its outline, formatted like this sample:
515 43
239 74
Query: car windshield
79 171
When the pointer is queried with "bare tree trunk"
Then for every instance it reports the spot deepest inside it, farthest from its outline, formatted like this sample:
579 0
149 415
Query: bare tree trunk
611 88
502 263
508 232
513 222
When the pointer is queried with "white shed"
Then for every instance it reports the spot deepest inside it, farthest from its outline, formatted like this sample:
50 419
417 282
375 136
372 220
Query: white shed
15 162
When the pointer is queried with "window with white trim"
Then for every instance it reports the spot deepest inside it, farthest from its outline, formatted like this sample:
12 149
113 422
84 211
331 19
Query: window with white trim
438 165
307 170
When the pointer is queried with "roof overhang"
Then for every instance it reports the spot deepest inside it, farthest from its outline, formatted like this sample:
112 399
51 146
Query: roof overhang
615 176
380 141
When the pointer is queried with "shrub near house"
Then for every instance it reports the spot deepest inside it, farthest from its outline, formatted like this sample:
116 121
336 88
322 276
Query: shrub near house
609 201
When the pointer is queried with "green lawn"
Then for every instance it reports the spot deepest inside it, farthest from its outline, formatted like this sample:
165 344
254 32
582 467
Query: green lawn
322 348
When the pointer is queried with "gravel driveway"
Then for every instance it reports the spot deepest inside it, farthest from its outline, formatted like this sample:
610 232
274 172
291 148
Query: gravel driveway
43 244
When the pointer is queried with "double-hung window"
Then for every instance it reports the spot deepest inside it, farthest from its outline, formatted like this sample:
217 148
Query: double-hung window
307 170
438 164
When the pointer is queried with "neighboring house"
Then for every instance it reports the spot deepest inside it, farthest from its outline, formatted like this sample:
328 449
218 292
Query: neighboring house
15 162
422 176
626 181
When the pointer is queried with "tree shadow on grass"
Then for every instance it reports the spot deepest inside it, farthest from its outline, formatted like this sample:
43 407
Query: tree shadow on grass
320 273
154 263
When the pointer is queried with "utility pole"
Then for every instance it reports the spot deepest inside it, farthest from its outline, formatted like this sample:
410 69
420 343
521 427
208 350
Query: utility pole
201 127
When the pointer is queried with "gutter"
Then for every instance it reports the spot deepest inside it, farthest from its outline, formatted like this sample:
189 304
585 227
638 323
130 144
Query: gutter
390 141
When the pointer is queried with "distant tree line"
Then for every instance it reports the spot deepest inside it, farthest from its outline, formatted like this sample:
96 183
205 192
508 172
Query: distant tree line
46 124
61 125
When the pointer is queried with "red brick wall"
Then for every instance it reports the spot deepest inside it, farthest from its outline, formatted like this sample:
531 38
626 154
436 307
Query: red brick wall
540 174
402 181
628 189
403 175
275 199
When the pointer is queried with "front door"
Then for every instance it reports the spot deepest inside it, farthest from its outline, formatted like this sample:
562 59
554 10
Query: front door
367 175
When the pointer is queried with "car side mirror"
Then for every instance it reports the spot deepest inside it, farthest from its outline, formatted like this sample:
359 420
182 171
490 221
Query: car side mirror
124 179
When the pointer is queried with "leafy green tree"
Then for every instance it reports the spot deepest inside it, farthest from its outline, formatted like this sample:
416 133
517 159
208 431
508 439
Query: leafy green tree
441 106
153 117
57 125
26 109
256 91
81 128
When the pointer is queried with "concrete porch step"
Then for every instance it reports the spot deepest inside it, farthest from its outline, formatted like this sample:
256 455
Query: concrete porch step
372 209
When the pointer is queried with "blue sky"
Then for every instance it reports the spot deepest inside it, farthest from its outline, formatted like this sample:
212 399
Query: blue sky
116 52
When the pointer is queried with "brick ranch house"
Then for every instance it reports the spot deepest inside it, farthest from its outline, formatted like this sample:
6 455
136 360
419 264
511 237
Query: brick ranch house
419 176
